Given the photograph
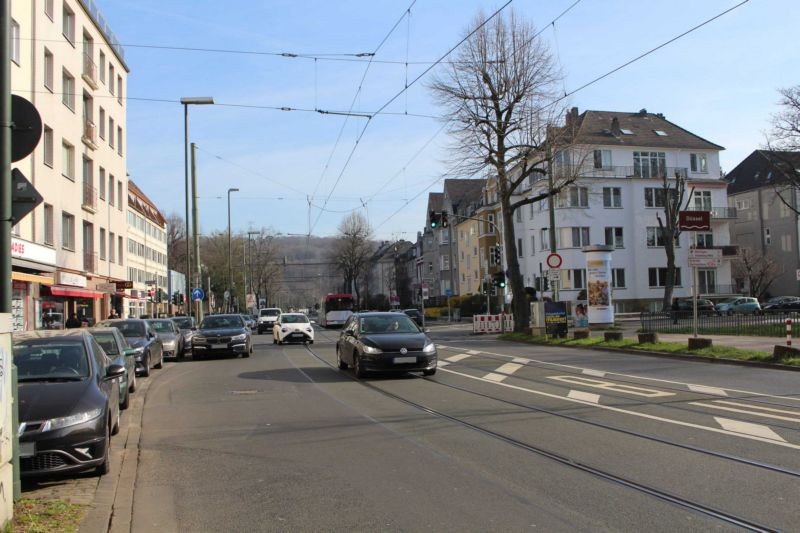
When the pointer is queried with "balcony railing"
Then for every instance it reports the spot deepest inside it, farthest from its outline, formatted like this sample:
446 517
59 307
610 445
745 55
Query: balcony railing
620 172
723 213
89 137
89 198
89 70
90 261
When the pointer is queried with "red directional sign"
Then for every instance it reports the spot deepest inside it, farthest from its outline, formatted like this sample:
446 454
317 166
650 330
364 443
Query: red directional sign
554 260
694 221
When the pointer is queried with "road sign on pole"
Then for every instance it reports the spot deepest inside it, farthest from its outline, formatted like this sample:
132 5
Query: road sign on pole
554 275
705 257
554 260
197 294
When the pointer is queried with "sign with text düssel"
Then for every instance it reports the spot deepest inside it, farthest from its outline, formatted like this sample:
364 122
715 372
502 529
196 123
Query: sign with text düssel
694 221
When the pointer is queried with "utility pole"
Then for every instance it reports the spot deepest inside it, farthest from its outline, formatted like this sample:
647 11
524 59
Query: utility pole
198 308
552 210
6 128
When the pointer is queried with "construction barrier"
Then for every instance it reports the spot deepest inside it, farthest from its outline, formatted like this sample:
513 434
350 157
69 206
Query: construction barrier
492 323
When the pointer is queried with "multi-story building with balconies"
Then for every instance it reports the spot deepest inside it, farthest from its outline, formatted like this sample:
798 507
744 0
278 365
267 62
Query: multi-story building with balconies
147 255
621 160
67 62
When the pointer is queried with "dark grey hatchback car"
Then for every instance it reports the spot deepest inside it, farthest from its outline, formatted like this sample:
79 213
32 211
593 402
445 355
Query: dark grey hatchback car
385 342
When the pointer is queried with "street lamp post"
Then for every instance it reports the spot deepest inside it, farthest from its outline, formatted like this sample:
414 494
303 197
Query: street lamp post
230 251
187 101
250 266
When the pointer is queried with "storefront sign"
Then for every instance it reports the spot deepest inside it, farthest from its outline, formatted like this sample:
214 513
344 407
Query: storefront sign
32 252
107 287
555 318
122 285
68 278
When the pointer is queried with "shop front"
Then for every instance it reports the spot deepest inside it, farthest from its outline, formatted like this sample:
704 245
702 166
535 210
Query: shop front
32 268
69 296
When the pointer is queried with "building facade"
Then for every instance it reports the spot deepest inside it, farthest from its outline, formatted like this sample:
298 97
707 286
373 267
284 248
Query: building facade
621 161
67 62
147 256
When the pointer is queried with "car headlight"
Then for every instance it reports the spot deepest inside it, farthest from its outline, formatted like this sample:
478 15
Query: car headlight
309 330
71 420
284 330
241 337
372 350
429 348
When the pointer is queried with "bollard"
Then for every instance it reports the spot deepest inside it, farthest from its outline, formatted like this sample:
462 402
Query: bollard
788 332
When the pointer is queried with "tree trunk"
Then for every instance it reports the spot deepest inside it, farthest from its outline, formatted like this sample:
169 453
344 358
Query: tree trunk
669 282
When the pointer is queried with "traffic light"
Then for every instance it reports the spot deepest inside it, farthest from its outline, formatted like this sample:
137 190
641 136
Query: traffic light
444 219
541 284
499 280
498 255
484 287
150 294
434 216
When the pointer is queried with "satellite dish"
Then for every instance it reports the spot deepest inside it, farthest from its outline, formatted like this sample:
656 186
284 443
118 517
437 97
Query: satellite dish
27 128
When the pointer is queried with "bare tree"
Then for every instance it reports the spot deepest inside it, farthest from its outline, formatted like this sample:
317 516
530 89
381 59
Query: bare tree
499 94
783 145
353 250
176 243
670 196
757 269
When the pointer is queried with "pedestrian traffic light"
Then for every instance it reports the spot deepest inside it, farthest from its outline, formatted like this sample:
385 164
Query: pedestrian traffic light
443 218
499 280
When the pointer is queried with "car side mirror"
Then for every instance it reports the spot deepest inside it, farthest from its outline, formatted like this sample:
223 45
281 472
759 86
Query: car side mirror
114 371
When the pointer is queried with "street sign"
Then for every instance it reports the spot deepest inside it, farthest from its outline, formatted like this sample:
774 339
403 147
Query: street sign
554 260
24 196
705 257
106 287
425 293
150 282
448 292
197 294
694 221
27 128
554 275
122 285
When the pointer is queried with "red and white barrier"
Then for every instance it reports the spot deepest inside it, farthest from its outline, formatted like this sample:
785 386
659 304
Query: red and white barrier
788 332
492 323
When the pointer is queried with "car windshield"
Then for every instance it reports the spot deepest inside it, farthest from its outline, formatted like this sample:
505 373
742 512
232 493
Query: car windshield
294 319
183 323
270 312
128 329
107 340
162 326
388 324
730 300
58 359
222 321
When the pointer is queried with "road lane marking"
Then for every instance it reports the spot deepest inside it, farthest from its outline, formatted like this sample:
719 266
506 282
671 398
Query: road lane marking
609 385
442 363
746 428
521 360
633 413
458 357
508 368
585 396
707 390
671 382
473 352
497 378
595 373
751 410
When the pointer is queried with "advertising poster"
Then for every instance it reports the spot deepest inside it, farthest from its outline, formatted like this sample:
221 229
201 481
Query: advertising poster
581 315
598 276
555 318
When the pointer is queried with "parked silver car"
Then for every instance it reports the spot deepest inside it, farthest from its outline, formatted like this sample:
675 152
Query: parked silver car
186 325
170 336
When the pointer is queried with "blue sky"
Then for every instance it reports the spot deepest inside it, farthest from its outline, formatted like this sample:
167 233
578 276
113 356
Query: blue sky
720 82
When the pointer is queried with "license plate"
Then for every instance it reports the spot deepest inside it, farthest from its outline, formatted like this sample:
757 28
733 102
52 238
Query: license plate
27 449
218 346
401 360
297 334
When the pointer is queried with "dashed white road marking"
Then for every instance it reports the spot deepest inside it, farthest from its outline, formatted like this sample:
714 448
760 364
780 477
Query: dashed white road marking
458 357
508 368
473 352
521 360
609 385
746 428
639 414
497 378
756 410
707 390
442 363
595 373
585 396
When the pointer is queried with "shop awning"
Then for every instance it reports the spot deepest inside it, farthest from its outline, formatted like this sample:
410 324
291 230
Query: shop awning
74 292
31 278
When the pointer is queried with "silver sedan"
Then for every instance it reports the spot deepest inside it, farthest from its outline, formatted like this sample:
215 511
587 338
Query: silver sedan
169 335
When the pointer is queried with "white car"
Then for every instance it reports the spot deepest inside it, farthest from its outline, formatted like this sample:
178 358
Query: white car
292 327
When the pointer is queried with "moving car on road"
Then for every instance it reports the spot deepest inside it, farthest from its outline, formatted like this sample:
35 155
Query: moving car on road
385 341
186 326
293 327
222 334
170 336
335 309
68 402
120 352
149 352
267 318
249 321
744 305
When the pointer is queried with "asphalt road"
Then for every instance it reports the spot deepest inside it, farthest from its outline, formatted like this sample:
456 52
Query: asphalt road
504 437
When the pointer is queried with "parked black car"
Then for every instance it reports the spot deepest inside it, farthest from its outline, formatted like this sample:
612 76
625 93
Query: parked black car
415 315
704 307
120 352
222 334
384 342
68 402
786 306
139 334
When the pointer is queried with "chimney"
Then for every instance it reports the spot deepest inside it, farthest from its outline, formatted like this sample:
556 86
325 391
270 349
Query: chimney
615 127
572 118
643 112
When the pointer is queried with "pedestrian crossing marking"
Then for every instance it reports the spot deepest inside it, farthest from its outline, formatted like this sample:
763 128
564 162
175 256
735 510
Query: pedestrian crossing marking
521 360
756 410
584 396
442 363
608 385
458 357
491 376
473 352
595 373
707 390
508 368
757 430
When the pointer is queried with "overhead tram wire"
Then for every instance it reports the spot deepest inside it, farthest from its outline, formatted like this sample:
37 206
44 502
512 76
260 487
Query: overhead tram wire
593 81
352 104
384 106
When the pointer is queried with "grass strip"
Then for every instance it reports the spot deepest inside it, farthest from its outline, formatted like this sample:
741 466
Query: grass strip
45 516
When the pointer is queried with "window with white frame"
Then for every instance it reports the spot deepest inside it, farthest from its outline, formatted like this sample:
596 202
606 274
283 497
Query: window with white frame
656 196
544 238
68 23
68 89
655 237
67 231
492 262
111 78
102 244
48 9
47 146
698 163
444 237
702 200
490 219
704 240
519 247
614 237
573 278
573 197
649 164
444 262
101 67
14 42
67 160
573 237
102 122
518 215
533 245
602 159
612 197
48 224
786 243
657 277
618 278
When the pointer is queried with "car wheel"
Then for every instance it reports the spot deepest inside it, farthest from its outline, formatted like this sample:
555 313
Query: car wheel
124 404
341 364
358 369
160 363
115 427
146 371
430 372
132 387
105 467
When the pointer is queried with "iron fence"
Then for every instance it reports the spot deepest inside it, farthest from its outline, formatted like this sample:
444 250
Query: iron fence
710 323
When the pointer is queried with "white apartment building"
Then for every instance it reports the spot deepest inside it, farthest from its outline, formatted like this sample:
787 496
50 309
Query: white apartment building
66 61
147 255
621 159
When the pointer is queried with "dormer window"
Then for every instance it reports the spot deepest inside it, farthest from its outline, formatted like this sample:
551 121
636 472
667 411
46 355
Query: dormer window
661 133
